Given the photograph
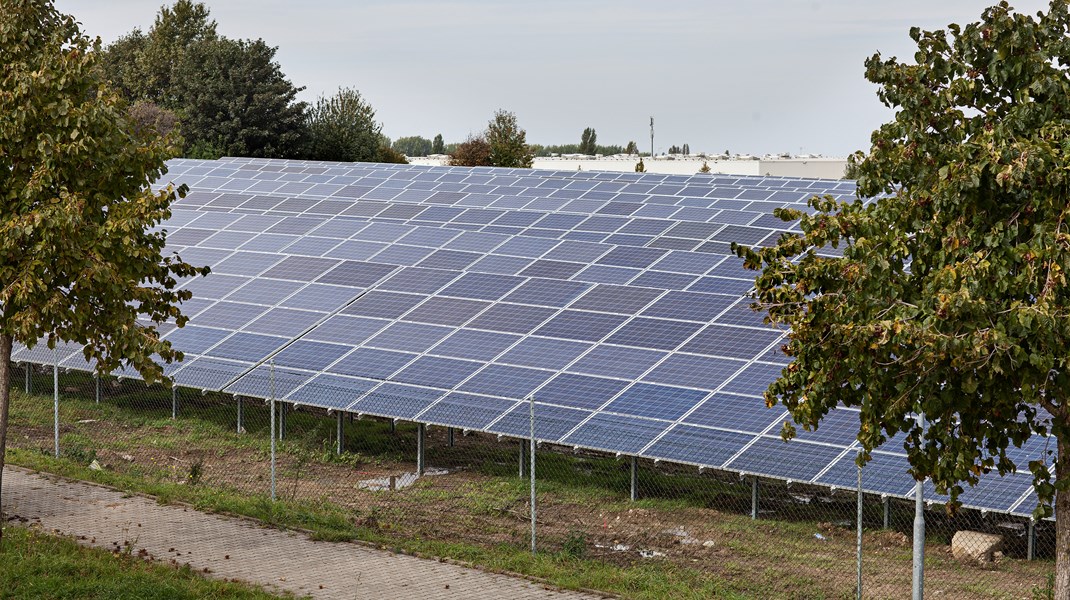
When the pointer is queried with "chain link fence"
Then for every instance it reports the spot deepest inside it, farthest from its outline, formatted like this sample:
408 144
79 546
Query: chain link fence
620 524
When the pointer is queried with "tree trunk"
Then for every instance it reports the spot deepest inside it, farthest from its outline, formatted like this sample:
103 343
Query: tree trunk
1062 523
5 396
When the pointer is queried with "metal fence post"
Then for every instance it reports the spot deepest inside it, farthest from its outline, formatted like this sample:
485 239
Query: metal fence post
521 471
96 381
241 415
174 402
449 437
887 510
28 378
918 586
754 498
420 428
634 480
272 430
55 399
531 471
858 593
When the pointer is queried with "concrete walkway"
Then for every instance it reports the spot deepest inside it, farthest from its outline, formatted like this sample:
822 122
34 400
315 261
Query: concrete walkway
232 548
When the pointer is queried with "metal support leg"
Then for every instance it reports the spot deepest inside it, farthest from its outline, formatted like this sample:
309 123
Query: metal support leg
393 426
55 400
449 437
282 421
272 431
635 481
1031 540
96 380
241 416
174 402
420 449
754 498
521 472
887 511
28 365
341 432
531 471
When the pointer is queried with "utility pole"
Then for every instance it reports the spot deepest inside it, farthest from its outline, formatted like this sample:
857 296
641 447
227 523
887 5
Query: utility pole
651 138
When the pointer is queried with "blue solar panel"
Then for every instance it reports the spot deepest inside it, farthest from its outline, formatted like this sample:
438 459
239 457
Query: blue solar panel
656 401
660 334
797 461
551 422
368 362
506 381
437 372
466 411
584 326
697 445
409 337
615 433
579 391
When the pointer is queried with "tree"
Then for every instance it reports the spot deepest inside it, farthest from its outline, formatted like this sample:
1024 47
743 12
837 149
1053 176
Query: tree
508 142
413 146
588 141
147 119
951 297
473 152
632 148
78 259
343 128
230 96
386 154
674 149
438 146
686 150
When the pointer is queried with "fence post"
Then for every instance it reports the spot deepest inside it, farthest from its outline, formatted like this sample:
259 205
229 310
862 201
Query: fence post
420 427
449 437
859 518
241 416
531 471
27 378
754 498
887 510
634 480
918 587
96 381
272 430
174 402
55 399
521 472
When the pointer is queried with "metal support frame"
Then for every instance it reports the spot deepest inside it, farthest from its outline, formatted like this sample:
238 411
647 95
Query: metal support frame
754 498
635 480
449 437
241 415
1031 540
393 426
918 585
55 400
887 511
96 380
420 429
174 402
858 516
340 433
28 366
523 443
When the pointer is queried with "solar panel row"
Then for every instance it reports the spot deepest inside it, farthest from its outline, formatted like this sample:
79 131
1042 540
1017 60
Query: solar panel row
450 295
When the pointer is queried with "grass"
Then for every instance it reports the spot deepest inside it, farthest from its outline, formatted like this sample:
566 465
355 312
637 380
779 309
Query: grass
38 566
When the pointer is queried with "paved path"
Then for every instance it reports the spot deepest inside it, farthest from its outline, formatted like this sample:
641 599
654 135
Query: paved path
237 549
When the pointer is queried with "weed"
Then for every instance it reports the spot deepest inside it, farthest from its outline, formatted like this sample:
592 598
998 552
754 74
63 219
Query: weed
575 545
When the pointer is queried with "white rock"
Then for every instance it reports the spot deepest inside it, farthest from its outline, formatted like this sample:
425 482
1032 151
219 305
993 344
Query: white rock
976 546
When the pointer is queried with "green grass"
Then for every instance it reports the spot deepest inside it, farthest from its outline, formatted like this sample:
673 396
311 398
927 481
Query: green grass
38 566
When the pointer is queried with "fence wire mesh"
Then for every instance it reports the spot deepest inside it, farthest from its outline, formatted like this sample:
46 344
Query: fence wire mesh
631 526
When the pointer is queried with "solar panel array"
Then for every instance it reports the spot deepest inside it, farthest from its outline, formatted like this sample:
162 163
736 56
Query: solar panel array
450 295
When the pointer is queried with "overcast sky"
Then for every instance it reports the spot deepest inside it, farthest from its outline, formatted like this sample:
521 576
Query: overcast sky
752 76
